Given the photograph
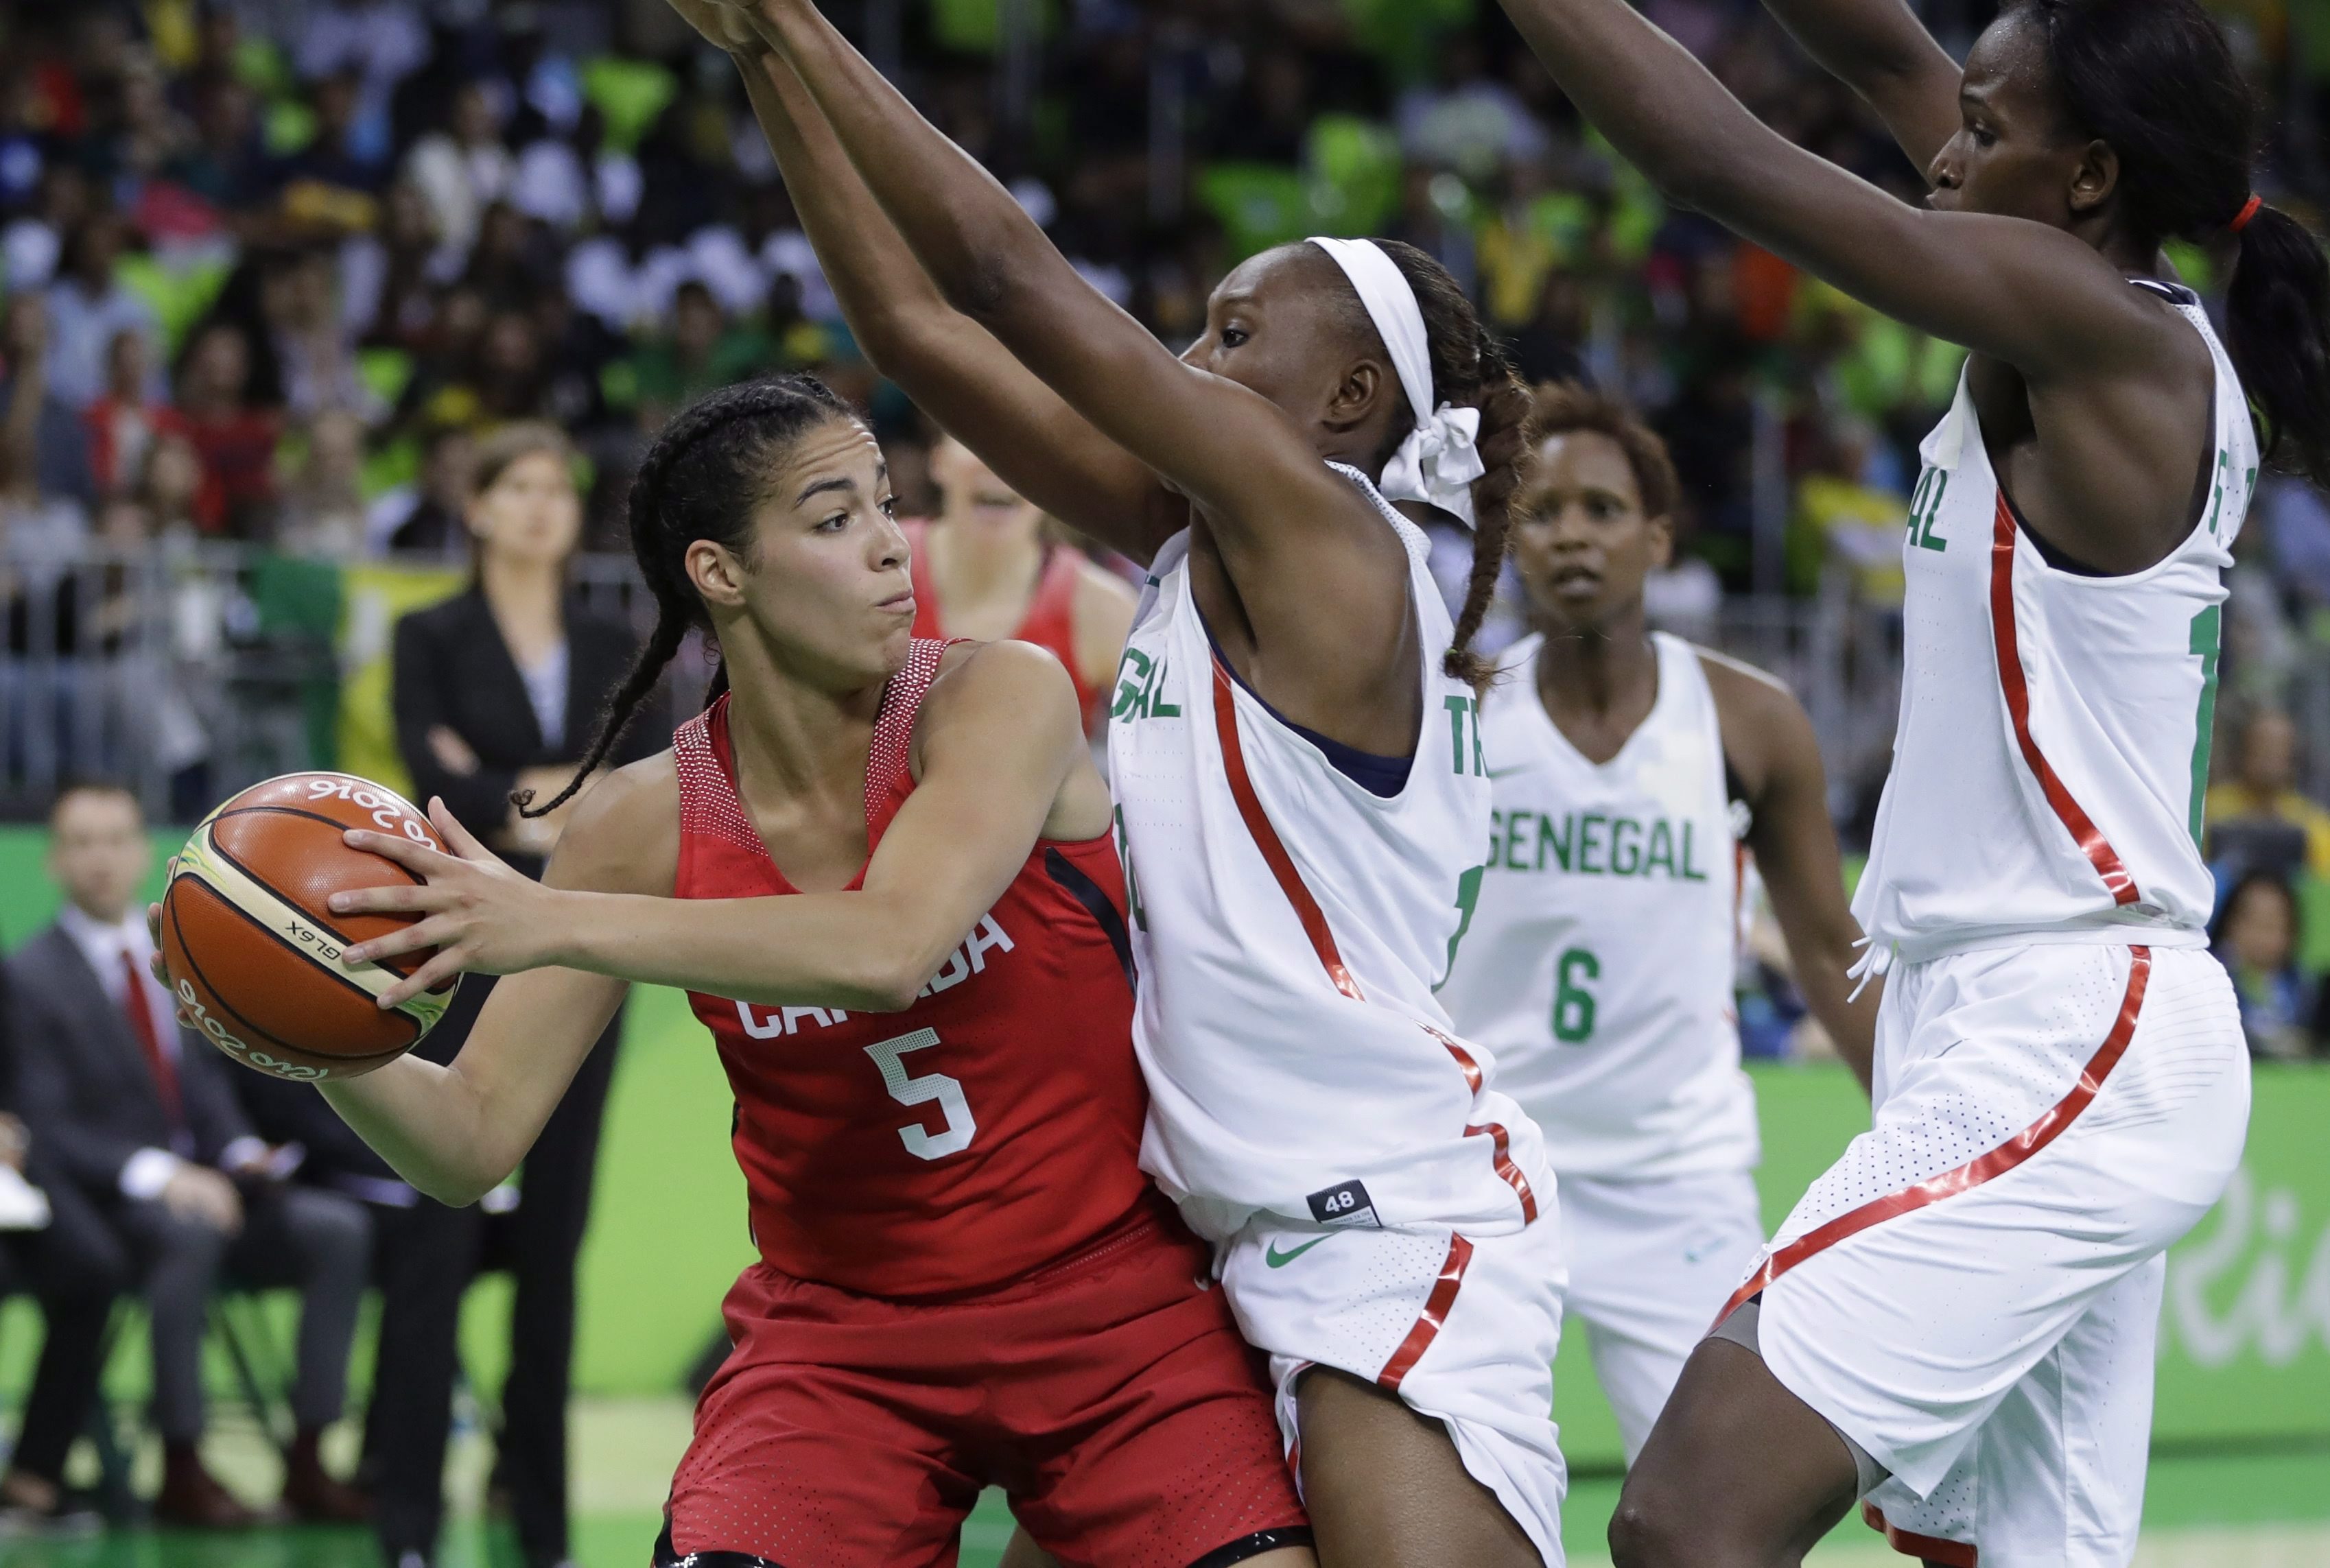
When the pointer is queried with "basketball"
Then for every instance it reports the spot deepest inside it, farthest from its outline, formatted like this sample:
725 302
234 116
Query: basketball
253 949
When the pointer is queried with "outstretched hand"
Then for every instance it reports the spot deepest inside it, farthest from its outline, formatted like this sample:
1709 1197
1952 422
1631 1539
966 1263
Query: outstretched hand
475 910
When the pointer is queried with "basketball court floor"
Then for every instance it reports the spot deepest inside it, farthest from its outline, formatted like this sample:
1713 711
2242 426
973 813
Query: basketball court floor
2249 1510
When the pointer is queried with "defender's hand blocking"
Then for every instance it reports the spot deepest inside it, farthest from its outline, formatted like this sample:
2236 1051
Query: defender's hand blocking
478 913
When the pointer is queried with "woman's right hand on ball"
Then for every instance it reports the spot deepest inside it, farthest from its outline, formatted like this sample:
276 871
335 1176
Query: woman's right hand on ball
477 913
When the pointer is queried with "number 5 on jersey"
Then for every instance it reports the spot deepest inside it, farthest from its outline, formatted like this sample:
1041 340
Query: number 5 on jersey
920 1141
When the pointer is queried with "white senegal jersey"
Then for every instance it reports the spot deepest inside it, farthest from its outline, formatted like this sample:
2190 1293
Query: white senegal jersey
2054 746
1599 964
1289 925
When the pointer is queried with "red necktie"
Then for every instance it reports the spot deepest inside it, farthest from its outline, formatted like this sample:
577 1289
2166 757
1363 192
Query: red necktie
140 1008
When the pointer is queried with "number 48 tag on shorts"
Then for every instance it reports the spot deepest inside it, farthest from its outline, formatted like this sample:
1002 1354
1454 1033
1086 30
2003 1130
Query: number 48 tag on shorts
1344 1204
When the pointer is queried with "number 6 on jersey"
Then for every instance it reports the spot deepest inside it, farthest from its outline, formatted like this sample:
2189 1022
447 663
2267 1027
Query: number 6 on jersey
920 1142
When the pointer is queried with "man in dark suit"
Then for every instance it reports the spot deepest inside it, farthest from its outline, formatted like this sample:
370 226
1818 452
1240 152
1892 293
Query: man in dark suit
72 1266
140 1118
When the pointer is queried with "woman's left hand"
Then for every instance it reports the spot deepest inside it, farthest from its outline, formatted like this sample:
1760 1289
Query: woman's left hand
475 910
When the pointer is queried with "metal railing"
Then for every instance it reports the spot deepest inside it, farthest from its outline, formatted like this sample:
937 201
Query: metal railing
189 671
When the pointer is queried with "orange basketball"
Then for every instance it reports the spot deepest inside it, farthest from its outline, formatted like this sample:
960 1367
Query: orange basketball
252 947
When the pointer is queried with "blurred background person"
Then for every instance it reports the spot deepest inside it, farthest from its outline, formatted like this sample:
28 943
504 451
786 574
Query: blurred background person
69 1264
139 1115
2258 936
2258 820
495 691
990 566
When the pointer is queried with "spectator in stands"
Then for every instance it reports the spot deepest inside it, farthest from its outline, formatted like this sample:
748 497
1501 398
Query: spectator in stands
53 466
313 342
72 1266
235 440
169 486
983 568
2255 936
323 510
88 305
496 691
701 352
126 419
2259 820
141 1118
425 517
462 167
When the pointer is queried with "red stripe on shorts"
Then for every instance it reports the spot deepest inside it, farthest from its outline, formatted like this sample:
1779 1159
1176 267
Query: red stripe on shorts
2089 837
1974 1172
1265 837
1502 1144
1427 1326
1909 1543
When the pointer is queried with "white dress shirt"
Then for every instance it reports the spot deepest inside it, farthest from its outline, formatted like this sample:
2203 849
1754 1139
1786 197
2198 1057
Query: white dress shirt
104 944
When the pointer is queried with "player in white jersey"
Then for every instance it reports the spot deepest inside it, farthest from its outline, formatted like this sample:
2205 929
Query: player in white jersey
1632 775
1297 766
1956 1324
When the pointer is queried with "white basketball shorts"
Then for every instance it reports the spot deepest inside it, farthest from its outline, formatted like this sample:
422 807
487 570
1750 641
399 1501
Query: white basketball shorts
1650 1264
1462 1329
1972 1292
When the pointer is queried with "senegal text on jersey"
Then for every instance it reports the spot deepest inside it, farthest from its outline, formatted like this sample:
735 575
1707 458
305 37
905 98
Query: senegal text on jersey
1595 845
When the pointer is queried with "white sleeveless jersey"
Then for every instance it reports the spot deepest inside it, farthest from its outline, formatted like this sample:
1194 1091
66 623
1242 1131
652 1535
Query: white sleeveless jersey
1289 926
1599 967
2054 746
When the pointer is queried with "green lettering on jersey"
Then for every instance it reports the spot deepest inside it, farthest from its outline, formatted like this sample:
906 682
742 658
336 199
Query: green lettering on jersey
2207 629
1516 824
1625 847
1559 842
1661 850
1131 693
1689 871
1456 706
1468 893
1587 843
1924 506
1160 708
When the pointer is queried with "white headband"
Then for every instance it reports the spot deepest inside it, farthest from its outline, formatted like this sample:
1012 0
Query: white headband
1438 461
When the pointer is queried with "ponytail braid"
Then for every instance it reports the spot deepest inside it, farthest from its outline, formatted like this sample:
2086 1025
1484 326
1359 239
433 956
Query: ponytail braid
702 479
1471 369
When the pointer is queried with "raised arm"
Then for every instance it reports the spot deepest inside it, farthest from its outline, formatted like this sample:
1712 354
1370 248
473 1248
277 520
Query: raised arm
2032 295
1226 446
952 367
1881 51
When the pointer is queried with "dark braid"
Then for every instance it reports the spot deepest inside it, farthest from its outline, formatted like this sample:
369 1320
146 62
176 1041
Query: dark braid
1471 369
702 479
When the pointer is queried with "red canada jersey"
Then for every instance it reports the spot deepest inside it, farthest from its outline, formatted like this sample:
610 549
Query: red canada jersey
989 1128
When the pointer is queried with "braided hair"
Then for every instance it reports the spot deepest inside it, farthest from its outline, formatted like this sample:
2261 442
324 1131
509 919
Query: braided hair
1471 369
701 479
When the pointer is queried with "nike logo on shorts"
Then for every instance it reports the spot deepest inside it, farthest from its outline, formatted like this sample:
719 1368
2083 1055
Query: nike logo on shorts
1275 1259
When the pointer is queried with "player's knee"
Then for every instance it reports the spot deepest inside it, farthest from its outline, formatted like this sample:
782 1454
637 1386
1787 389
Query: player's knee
1653 1528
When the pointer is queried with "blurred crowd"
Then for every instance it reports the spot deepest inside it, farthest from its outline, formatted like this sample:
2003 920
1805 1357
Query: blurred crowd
324 279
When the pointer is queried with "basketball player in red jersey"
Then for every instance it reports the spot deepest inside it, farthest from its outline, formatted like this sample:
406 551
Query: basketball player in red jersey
964 1278
983 569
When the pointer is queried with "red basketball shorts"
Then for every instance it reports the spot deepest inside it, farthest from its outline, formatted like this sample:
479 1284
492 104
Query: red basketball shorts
1109 1395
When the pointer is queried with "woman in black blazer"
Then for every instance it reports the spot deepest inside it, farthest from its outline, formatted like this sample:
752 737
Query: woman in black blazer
497 690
